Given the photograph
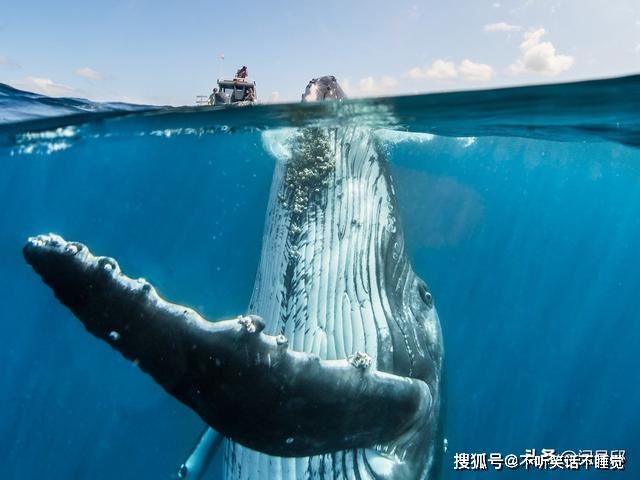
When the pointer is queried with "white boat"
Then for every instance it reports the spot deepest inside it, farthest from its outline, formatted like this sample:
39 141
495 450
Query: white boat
236 91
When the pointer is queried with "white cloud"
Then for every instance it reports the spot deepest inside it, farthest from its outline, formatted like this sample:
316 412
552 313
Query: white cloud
275 96
370 86
88 73
367 85
446 70
416 73
44 86
501 27
439 70
4 60
478 72
540 57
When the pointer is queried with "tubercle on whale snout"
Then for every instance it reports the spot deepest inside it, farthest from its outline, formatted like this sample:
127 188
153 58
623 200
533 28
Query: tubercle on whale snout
247 385
323 88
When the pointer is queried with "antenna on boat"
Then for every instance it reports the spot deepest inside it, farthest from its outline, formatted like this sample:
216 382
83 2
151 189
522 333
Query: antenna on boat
221 61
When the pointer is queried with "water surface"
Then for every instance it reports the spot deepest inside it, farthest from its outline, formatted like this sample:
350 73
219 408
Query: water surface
520 209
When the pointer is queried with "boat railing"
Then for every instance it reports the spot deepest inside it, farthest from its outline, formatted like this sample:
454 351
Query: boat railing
202 100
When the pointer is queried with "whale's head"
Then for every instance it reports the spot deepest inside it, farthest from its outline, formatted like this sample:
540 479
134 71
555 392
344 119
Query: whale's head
323 88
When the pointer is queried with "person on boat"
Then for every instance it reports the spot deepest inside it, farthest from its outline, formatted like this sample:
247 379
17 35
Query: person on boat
242 72
212 97
249 95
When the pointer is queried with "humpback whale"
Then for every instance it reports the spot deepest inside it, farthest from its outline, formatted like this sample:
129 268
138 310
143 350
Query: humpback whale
336 368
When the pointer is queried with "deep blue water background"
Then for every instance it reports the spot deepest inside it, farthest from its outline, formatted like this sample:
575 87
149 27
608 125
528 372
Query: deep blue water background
529 245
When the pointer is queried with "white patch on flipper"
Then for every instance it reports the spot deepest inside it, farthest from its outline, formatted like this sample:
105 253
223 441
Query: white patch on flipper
279 142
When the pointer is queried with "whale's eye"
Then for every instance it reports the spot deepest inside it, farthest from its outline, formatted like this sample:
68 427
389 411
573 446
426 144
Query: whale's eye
425 295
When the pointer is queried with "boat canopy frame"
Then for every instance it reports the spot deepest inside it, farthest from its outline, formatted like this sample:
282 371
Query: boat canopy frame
236 88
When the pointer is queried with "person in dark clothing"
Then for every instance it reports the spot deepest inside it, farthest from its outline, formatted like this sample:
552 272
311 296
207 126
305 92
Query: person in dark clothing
212 97
242 72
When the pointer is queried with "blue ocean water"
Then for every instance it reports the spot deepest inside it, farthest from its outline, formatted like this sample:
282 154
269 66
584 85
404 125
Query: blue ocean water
520 209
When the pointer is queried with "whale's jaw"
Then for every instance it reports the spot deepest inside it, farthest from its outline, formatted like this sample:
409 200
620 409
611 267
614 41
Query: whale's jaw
334 279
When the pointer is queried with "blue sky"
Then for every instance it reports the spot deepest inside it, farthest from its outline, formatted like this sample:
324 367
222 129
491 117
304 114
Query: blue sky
167 52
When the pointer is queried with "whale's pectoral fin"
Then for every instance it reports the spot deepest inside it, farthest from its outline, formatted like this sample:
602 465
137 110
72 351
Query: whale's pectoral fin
247 385
201 455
